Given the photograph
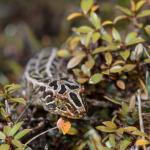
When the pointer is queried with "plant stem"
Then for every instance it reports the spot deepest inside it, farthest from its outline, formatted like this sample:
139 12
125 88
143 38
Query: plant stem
140 114
49 130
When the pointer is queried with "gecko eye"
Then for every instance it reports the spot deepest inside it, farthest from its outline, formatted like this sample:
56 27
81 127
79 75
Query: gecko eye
82 90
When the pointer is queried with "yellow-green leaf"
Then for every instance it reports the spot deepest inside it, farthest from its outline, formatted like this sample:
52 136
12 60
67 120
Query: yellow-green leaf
95 37
119 18
90 63
95 20
144 13
125 54
110 124
17 143
22 133
107 37
107 22
108 58
86 5
112 140
63 53
147 29
128 67
83 29
105 49
15 128
4 147
130 37
6 130
125 10
12 88
18 100
147 60
75 61
96 78
130 129
139 5
135 41
105 129
124 144
116 69
116 35
2 135
72 131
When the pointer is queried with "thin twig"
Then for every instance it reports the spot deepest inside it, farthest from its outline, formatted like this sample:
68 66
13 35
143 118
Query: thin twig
49 130
140 110
140 114
23 112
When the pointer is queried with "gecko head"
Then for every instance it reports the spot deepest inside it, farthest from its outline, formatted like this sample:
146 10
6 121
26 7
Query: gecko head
68 98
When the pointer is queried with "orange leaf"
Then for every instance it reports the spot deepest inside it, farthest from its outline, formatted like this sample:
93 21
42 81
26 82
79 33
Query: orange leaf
74 15
63 125
142 142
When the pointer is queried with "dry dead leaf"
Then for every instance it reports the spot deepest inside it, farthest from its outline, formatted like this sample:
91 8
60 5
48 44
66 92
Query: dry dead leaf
63 125
120 84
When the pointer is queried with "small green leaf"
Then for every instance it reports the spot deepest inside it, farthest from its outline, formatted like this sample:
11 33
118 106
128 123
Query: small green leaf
11 88
116 35
107 37
72 131
138 52
130 37
63 53
112 140
119 18
2 135
4 147
147 60
86 5
83 29
90 63
96 78
95 20
139 133
128 67
18 100
95 37
110 124
109 48
75 61
108 58
105 129
107 22
6 130
88 39
17 143
85 70
125 54
125 10
4 113
135 41
139 5
116 69
15 128
124 144
144 13
22 134
147 29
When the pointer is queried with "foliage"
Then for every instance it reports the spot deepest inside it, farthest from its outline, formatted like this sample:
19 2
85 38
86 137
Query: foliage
10 136
104 56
